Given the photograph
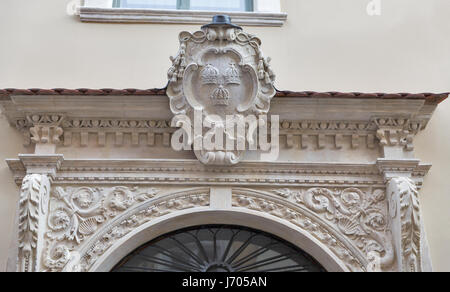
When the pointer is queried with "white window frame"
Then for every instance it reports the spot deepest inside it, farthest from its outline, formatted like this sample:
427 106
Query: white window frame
266 13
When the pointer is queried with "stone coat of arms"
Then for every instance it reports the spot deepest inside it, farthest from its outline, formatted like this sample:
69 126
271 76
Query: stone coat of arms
220 71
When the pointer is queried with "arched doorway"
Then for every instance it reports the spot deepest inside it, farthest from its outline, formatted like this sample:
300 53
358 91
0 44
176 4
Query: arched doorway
218 248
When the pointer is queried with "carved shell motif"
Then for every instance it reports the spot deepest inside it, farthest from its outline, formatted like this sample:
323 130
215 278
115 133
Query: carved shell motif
88 226
349 226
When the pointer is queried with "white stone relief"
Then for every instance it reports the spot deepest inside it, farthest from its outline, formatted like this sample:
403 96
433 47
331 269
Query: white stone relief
398 132
132 220
354 260
33 205
351 221
87 209
301 134
360 215
74 213
43 128
220 71
405 211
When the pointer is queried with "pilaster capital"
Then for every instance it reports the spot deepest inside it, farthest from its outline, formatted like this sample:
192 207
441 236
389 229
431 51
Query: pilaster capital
41 164
391 168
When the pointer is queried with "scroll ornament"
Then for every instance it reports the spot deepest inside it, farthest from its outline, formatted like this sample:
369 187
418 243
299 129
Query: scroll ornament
359 215
76 213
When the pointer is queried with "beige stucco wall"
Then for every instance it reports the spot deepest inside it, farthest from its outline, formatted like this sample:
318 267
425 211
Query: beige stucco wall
325 45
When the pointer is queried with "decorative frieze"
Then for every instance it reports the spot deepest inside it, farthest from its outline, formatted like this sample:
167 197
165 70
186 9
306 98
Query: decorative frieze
302 135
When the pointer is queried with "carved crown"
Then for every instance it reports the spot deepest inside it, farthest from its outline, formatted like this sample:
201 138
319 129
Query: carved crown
210 75
220 96
232 75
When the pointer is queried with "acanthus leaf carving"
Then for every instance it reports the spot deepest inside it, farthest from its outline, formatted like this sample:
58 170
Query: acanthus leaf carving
33 202
405 211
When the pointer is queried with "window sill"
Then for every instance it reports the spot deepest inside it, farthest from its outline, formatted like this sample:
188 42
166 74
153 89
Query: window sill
120 15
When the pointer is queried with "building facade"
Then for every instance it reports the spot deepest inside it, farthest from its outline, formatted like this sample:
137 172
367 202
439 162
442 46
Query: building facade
350 186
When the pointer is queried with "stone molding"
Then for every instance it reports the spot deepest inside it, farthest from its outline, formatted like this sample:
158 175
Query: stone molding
192 172
302 134
117 15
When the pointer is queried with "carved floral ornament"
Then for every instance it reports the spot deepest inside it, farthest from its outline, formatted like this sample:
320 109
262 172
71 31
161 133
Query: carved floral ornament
84 223
359 215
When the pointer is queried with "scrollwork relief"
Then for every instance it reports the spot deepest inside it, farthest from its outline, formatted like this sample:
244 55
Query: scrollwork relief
242 199
76 213
360 215
137 218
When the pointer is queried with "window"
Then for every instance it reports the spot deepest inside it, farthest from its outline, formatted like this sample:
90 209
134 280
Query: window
206 5
218 248
242 12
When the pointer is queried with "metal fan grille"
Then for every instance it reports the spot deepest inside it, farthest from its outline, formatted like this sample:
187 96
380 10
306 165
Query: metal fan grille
218 249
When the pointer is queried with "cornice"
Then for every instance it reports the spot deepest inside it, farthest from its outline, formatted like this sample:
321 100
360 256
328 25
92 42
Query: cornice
191 172
431 98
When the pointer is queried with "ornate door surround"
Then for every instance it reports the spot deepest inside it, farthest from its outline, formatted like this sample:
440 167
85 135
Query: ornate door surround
101 178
